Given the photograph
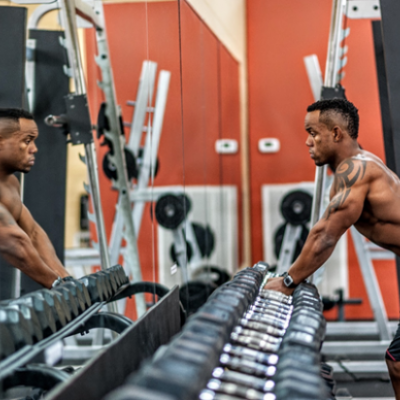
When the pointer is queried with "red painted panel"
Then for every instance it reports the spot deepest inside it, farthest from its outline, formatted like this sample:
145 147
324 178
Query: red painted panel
230 129
279 36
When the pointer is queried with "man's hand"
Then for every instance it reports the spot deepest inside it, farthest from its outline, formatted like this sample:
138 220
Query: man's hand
278 285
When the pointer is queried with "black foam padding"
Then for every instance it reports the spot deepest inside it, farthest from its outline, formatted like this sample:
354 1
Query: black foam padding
383 95
12 60
110 368
390 9
44 189
12 89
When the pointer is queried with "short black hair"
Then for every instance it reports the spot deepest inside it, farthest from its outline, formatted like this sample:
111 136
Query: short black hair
12 117
343 107
15 114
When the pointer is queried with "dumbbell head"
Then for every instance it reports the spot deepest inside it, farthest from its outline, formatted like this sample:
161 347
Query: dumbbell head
251 354
19 328
216 342
226 291
57 308
216 316
243 379
121 273
31 318
70 299
205 328
77 293
262 327
133 392
43 311
97 291
7 345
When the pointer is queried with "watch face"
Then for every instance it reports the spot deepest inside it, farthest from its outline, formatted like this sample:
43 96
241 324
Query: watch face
287 280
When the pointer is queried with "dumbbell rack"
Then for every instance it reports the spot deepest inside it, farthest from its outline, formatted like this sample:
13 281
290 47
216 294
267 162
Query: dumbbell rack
244 343
33 326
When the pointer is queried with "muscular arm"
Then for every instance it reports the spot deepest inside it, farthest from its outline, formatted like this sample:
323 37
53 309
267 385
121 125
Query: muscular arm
17 248
41 242
350 188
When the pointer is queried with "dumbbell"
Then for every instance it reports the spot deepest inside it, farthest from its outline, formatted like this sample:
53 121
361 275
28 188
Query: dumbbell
304 376
251 272
18 327
266 319
259 301
121 273
251 354
276 306
253 382
227 292
72 302
216 316
273 312
31 317
247 366
80 292
7 346
207 329
57 305
262 327
184 345
235 301
180 373
244 286
232 306
240 331
105 283
255 343
274 295
233 389
97 291
43 311
208 394
115 277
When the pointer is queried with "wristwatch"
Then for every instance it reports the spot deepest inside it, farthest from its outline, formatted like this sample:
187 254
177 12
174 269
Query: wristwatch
288 280
57 282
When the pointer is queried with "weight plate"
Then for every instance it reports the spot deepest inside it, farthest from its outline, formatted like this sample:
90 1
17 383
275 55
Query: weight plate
111 171
296 207
171 210
278 239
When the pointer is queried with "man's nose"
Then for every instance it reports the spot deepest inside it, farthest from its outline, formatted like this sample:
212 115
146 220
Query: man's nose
309 141
34 148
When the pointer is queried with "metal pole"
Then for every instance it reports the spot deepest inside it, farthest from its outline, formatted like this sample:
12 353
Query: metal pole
331 79
118 157
68 16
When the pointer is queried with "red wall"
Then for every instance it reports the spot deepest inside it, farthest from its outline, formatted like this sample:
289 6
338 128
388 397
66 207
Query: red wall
202 105
280 34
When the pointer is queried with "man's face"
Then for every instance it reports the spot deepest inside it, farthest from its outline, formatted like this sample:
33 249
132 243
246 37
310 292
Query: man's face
18 149
319 140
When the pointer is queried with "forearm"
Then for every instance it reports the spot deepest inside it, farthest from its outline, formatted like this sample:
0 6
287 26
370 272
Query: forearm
316 251
19 252
46 251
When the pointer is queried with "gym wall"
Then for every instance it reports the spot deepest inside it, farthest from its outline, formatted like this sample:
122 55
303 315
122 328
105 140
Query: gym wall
279 36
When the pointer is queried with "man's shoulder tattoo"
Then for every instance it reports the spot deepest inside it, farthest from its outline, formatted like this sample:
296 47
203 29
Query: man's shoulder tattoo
347 174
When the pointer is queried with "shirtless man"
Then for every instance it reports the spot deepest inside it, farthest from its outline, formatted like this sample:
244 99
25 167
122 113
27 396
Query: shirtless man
23 243
365 193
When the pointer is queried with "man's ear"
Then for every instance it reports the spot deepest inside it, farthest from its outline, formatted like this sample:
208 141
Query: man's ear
337 134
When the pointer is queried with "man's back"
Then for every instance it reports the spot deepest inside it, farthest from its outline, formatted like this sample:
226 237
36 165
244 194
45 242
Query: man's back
380 217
